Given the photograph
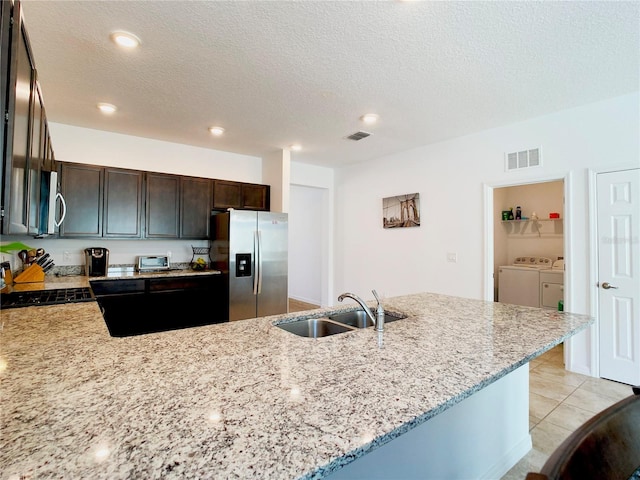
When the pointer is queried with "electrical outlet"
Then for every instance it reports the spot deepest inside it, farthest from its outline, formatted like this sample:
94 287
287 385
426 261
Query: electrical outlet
169 253
452 257
66 256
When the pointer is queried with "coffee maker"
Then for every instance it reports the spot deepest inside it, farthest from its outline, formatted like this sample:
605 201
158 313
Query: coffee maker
97 261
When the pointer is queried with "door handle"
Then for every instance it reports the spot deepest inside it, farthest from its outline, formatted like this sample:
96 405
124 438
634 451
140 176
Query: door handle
607 286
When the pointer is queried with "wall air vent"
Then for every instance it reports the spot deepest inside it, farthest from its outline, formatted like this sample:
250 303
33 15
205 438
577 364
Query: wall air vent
522 159
358 136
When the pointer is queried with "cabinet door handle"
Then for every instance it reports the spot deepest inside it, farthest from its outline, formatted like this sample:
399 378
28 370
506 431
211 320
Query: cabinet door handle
607 286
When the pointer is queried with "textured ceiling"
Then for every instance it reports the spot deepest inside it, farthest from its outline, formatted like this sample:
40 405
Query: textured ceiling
274 73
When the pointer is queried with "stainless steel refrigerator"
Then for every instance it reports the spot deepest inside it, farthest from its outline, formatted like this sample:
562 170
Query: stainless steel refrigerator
251 248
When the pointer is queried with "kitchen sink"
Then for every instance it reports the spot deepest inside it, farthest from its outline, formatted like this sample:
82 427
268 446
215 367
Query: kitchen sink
332 324
359 318
314 327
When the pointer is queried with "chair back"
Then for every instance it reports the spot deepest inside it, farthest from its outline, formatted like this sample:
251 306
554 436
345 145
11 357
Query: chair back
607 446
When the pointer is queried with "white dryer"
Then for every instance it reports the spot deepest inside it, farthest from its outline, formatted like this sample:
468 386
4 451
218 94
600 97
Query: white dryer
552 285
519 283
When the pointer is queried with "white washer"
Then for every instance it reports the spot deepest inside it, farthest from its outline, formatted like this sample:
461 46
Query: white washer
552 285
519 283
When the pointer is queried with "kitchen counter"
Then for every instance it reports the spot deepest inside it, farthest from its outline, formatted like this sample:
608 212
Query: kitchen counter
246 399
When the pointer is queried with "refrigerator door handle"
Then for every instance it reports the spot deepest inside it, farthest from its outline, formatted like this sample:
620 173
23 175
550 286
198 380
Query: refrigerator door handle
259 262
256 248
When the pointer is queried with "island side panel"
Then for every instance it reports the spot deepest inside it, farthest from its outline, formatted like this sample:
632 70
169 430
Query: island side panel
481 437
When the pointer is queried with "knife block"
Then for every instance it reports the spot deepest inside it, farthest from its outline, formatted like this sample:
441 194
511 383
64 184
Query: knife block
31 274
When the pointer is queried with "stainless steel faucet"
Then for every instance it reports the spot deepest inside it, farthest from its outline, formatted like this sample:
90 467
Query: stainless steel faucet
378 319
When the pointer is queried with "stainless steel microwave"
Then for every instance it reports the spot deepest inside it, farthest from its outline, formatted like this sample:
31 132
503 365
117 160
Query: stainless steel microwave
49 197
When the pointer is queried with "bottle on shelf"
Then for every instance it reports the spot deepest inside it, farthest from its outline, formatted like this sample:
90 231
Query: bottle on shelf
518 213
510 214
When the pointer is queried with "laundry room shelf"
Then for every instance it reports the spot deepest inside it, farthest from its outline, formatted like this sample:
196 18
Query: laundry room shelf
531 220
544 227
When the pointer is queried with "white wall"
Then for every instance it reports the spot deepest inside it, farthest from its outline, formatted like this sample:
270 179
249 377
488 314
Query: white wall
97 147
276 171
450 177
306 236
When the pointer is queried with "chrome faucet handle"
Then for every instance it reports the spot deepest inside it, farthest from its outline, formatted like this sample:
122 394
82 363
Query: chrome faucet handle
379 323
375 294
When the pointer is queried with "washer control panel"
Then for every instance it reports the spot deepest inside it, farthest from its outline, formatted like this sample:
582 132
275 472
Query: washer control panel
537 262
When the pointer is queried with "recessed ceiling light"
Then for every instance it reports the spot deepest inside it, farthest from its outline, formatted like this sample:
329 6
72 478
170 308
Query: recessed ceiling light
295 147
125 39
107 108
217 131
369 118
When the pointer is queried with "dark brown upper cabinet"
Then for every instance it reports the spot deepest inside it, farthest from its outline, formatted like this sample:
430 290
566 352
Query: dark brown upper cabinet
36 159
25 138
18 84
119 203
82 187
247 196
162 206
122 203
227 194
195 208
101 202
255 197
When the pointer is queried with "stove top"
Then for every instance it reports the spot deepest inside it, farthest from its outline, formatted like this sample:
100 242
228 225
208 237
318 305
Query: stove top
46 297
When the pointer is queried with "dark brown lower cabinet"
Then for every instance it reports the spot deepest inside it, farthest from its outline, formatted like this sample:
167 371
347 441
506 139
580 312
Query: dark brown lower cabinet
136 307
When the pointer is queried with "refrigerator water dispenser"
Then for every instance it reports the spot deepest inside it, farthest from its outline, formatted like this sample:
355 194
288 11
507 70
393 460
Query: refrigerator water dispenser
243 264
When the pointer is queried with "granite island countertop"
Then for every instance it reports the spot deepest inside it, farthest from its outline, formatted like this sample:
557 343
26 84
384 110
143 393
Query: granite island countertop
245 399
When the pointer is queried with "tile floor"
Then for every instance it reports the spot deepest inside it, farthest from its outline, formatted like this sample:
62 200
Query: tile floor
559 402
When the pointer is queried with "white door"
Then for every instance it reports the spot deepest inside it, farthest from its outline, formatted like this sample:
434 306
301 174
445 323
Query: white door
618 201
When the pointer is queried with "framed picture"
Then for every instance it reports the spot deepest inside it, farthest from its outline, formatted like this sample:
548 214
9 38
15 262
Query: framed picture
401 211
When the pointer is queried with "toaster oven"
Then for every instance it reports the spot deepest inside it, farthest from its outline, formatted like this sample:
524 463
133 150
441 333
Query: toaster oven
150 263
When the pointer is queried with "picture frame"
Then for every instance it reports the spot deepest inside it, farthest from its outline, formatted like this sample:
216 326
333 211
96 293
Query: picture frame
401 211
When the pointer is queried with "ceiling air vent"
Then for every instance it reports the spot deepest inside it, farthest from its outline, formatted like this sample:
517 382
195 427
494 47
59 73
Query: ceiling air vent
523 159
358 136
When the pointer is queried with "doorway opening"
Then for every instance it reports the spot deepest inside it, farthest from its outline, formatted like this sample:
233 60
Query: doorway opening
528 225
308 247
497 253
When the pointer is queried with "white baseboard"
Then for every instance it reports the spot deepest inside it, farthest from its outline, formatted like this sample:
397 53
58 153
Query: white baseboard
506 463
